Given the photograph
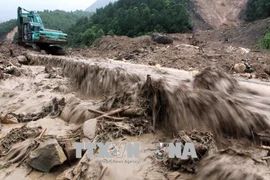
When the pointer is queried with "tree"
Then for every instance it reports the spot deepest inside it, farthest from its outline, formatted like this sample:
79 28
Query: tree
110 33
134 18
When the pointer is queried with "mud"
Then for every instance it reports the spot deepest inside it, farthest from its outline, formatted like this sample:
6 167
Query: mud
214 109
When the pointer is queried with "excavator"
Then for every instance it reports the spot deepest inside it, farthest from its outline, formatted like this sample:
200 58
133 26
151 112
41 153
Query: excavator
31 32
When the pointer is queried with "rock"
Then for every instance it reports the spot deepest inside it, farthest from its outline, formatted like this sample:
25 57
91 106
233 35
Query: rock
89 128
22 60
47 155
239 68
151 63
8 119
9 69
162 39
15 62
70 151
12 70
243 50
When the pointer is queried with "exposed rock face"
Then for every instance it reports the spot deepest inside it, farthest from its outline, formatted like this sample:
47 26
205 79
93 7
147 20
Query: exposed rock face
47 155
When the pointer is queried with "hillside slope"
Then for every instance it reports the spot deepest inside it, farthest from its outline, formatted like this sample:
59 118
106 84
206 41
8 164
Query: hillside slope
98 4
247 35
220 13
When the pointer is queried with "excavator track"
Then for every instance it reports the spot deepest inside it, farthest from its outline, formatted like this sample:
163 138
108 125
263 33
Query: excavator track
50 49
55 50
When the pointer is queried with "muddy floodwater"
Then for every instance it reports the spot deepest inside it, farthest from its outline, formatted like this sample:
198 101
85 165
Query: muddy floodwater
68 99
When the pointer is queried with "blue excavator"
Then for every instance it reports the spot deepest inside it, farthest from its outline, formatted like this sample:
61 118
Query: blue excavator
31 32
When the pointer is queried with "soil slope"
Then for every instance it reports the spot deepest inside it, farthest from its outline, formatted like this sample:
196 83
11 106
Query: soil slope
220 13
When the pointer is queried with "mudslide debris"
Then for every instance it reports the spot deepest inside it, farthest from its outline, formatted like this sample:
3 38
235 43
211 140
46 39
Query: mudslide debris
203 142
54 109
141 100
18 135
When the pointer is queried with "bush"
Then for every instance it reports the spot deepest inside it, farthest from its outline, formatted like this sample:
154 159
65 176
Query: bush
265 42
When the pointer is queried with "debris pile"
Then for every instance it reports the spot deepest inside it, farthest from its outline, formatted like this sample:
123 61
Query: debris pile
18 135
203 142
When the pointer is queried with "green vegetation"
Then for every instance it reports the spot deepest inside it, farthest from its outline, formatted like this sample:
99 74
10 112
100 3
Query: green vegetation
257 9
6 27
265 42
132 18
52 20
61 19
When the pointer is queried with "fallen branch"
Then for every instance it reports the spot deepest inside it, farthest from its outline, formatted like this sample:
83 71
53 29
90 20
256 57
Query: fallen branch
266 158
265 147
42 133
107 116
258 161
113 112
102 173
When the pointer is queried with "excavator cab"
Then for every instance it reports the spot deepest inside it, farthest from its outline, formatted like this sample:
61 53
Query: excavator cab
31 31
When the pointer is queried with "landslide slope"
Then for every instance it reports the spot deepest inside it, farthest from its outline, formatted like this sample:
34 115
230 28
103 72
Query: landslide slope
220 13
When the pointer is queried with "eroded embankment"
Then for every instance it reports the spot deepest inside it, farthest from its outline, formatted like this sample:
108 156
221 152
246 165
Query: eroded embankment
213 101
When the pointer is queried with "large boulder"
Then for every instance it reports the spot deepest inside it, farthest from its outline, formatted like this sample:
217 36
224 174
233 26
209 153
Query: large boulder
239 68
162 39
12 70
89 128
47 155
22 60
